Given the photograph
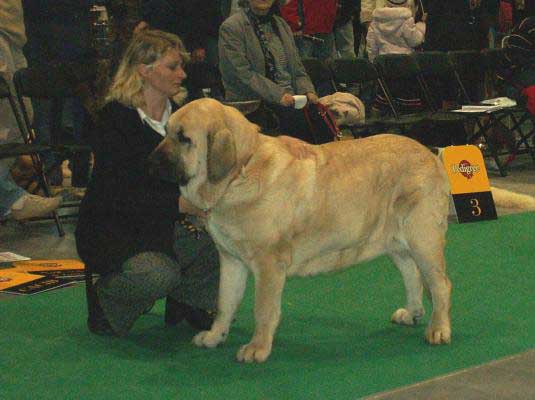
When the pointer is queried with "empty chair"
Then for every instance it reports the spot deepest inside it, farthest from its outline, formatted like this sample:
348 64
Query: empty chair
361 73
321 76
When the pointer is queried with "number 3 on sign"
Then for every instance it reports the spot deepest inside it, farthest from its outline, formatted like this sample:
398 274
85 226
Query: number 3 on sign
476 212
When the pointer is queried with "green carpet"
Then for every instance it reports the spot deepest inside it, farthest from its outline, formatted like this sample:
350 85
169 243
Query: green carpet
334 342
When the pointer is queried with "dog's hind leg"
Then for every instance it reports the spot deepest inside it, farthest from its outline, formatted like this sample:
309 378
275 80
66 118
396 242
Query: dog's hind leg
414 309
428 252
232 283
269 283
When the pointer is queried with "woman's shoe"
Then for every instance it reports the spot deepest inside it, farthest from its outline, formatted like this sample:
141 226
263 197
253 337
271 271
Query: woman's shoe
100 326
96 321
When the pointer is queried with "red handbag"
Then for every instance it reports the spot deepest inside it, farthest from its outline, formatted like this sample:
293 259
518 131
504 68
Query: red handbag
321 123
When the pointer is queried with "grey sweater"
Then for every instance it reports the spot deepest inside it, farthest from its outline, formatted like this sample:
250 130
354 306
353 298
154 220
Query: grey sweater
243 67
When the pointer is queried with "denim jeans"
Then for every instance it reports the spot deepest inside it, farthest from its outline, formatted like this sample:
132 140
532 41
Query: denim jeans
344 39
50 116
322 48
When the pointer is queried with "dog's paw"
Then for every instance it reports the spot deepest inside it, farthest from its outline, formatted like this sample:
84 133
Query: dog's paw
209 339
438 335
254 352
403 316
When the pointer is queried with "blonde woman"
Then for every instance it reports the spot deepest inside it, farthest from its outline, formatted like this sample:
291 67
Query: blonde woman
126 228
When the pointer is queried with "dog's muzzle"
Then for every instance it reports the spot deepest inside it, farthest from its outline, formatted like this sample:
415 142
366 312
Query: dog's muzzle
159 165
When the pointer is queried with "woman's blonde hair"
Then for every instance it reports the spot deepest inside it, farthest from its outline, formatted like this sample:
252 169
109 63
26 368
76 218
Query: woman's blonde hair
146 47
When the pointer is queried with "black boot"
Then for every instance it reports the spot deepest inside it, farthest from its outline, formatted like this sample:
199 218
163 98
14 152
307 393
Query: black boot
174 311
200 319
96 321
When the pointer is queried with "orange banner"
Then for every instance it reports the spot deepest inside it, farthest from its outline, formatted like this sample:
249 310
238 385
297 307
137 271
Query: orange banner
47 265
466 169
10 278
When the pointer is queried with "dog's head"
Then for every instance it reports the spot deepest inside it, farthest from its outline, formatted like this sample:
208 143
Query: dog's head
205 142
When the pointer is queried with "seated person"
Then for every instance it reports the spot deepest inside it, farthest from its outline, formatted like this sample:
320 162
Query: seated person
258 59
127 220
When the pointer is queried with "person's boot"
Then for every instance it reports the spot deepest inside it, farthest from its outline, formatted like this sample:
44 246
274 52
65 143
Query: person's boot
200 319
96 321
174 311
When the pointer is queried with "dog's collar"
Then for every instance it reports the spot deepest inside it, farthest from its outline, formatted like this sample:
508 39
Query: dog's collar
235 174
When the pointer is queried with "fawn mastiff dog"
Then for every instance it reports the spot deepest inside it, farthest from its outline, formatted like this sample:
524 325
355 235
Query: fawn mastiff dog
279 207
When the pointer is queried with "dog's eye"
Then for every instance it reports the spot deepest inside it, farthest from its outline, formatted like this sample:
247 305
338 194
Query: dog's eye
183 139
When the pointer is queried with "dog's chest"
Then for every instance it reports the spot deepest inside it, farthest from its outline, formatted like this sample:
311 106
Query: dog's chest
231 239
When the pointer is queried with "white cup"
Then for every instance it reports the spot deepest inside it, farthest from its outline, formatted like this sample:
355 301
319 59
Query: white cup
300 101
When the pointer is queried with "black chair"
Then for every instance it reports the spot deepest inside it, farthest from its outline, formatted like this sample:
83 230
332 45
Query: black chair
203 80
469 69
321 76
400 75
27 148
518 119
361 74
56 83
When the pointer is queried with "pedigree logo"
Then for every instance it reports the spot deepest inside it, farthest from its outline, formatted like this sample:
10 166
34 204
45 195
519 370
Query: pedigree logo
465 169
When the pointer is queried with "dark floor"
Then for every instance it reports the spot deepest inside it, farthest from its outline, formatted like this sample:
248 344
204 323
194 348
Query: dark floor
510 378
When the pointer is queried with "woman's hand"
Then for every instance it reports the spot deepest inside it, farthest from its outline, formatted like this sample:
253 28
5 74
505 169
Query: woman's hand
287 100
186 207
312 98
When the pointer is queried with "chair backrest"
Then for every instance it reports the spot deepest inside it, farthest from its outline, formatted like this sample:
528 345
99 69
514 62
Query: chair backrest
399 74
6 92
469 66
52 81
496 66
397 66
321 76
354 70
437 75
202 77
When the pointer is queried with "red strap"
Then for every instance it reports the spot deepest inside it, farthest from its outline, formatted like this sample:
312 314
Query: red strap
327 117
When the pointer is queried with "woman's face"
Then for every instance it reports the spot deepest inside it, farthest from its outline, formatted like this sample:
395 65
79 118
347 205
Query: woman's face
260 7
165 76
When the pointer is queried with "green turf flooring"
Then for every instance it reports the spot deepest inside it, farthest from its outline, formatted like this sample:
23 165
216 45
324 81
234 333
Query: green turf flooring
334 341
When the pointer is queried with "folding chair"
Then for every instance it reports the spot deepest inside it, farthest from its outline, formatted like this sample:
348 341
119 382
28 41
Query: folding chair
203 80
56 83
361 73
27 148
321 76
469 70
395 71
477 74
521 123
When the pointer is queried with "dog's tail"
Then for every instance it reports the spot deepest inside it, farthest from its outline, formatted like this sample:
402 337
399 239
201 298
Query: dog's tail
507 199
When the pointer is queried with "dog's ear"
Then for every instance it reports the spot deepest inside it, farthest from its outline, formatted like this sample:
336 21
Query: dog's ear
221 155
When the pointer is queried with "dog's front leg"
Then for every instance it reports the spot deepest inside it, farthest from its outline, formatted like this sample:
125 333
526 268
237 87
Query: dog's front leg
269 282
232 283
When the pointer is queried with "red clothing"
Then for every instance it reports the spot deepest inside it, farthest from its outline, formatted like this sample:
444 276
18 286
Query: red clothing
319 15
